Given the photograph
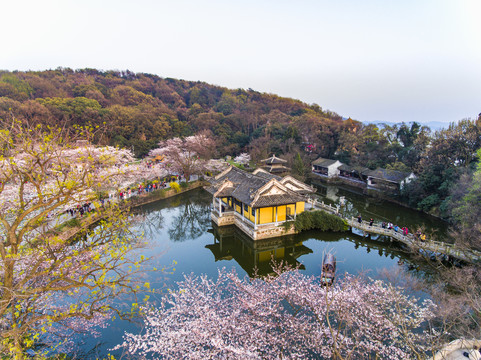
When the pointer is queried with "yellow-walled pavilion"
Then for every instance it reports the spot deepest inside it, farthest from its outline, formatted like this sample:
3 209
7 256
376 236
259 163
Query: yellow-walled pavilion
258 203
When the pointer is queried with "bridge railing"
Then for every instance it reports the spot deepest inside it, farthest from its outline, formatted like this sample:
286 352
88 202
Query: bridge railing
410 239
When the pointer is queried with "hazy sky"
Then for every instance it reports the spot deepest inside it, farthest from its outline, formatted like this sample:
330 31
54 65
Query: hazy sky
386 60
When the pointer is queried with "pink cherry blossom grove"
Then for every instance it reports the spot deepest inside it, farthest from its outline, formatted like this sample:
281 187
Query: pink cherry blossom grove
284 316
187 156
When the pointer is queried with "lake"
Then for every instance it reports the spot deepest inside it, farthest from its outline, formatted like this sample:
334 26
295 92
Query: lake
179 230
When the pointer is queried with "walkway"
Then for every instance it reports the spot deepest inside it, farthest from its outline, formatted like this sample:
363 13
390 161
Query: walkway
410 240
61 217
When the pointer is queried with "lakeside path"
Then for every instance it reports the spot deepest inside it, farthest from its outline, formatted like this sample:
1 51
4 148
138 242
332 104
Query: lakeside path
134 201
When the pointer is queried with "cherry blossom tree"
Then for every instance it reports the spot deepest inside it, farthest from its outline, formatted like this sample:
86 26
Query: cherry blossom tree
52 283
186 156
243 159
132 173
288 315
216 165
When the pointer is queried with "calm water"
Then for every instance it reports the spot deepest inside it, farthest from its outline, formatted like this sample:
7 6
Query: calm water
179 229
381 210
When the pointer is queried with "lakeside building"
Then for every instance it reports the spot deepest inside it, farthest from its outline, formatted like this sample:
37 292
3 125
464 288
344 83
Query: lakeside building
389 180
258 203
274 165
326 167
351 173
378 179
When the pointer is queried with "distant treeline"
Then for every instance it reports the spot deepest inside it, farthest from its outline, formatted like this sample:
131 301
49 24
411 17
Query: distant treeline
140 109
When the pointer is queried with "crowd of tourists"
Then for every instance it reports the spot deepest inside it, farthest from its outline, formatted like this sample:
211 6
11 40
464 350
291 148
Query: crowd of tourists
80 209
144 189
419 235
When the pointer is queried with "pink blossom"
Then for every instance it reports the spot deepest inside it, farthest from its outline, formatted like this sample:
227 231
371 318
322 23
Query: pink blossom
186 156
289 316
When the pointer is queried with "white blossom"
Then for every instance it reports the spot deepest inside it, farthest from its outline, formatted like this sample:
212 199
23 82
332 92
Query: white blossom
243 159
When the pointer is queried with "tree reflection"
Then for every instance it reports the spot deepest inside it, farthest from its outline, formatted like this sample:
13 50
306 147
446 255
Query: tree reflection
192 221
149 222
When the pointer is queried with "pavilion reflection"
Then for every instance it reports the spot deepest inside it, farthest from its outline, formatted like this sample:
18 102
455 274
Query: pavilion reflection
230 243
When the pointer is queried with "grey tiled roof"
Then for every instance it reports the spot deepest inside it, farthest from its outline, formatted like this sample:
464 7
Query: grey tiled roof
226 192
323 162
273 200
276 168
267 175
388 175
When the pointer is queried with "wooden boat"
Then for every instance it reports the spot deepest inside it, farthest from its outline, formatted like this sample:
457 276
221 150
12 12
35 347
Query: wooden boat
328 272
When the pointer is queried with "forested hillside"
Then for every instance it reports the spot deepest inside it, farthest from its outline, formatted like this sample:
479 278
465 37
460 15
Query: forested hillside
139 110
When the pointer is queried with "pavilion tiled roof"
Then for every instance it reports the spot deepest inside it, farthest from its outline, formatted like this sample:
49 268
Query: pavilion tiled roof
276 168
274 160
267 175
274 200
246 185
226 192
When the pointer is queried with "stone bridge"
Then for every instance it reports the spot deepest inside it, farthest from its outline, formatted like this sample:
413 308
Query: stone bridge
410 240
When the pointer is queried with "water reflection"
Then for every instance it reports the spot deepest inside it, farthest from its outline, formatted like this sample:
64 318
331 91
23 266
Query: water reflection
255 257
230 243
179 229
192 220
148 222
186 219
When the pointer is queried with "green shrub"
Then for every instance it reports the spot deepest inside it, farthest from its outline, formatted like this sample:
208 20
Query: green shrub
184 185
287 225
74 222
428 203
319 219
